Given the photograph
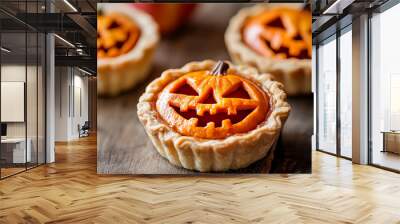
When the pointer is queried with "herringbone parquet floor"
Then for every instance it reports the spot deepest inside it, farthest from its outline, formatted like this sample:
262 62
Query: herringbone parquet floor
69 191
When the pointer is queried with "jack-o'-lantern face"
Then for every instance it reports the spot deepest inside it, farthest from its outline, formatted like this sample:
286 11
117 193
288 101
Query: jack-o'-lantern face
116 35
280 33
213 104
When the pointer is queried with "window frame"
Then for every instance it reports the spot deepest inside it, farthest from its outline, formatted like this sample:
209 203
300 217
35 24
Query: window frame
333 37
378 10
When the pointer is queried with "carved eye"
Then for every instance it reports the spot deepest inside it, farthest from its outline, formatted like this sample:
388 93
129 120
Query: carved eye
186 89
276 23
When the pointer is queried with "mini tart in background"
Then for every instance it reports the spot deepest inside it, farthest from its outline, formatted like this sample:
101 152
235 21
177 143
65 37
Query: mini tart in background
213 116
126 41
275 39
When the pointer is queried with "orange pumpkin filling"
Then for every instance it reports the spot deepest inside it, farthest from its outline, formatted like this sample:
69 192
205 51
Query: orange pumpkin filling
213 104
280 33
116 35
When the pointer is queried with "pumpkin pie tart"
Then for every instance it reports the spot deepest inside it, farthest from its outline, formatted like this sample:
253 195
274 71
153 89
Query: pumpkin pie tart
275 39
126 40
213 116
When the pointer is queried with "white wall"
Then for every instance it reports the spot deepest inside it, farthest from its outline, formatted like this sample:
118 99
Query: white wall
70 83
62 81
79 117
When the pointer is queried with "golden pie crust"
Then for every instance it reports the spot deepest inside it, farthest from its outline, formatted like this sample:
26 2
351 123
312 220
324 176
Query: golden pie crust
121 70
294 73
213 155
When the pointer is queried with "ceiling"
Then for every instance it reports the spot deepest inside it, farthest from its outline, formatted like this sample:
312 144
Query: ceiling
72 20
330 15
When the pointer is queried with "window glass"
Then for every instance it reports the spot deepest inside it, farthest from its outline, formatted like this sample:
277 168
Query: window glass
327 96
385 92
15 150
22 89
345 94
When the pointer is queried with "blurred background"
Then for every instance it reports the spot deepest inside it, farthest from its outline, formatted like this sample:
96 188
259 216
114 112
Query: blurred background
121 138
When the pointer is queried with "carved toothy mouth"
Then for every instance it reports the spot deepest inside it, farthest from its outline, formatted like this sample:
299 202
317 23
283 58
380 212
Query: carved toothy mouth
285 50
203 120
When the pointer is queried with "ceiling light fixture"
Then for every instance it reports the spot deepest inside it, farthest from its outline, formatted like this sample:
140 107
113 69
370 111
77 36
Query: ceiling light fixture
337 7
5 50
64 40
331 7
84 71
70 5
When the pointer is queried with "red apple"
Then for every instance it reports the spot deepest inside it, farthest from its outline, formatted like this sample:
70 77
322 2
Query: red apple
169 16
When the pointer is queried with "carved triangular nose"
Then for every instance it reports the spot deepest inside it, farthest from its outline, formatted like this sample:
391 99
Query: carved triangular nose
297 37
210 99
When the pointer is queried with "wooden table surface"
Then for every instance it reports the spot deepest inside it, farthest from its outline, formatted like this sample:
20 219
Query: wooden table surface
123 146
